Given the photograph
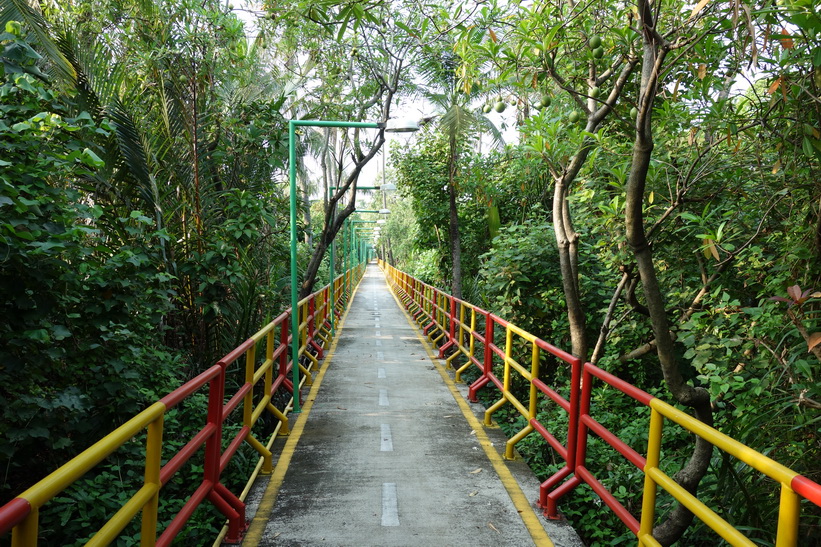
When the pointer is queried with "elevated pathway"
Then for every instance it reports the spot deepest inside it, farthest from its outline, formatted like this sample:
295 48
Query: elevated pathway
387 452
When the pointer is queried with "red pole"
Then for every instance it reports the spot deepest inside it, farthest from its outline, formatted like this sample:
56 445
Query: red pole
487 365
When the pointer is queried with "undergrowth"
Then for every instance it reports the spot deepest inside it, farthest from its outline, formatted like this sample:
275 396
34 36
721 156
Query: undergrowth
745 498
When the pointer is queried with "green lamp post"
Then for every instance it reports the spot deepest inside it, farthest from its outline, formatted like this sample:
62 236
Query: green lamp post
292 125
392 126
332 252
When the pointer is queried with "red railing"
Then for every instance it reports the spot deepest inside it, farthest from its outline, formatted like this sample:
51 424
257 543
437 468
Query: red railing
274 373
465 329
442 317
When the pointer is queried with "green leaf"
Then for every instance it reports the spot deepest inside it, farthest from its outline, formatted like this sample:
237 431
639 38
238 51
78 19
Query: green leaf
91 159
40 335
62 442
806 147
60 332
23 234
38 432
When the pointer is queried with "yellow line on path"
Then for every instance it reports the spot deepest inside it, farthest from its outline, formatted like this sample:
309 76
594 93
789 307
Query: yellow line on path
266 505
520 502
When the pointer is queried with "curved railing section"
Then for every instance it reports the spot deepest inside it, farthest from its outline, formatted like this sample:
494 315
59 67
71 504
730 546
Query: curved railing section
461 329
263 379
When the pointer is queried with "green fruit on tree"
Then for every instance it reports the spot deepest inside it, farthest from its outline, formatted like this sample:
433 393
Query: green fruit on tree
594 42
513 101
574 117
593 92
634 112
486 108
499 106
544 102
598 53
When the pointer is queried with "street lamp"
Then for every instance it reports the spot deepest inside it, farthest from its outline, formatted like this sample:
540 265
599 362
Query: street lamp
379 211
397 125
332 257
393 126
292 125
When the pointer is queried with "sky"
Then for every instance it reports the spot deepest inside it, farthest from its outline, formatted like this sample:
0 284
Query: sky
408 108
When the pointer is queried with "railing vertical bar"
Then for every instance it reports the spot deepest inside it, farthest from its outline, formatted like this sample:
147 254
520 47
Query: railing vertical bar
153 463
648 504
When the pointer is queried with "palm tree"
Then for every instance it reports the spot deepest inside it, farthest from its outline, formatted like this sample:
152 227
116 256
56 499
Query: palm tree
184 135
458 122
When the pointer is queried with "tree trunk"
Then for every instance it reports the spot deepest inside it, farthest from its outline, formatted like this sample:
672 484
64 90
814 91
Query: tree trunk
696 398
453 228
334 220
567 239
567 243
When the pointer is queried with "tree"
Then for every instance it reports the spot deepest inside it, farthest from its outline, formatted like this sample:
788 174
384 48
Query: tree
711 194
654 51
541 68
363 55
81 308
459 123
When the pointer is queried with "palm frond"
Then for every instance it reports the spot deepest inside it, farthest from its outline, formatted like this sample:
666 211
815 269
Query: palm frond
440 100
438 69
98 80
132 149
457 121
486 125
22 11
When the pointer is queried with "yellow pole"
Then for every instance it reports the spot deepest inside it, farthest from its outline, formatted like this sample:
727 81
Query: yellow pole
648 502
153 463
534 373
788 515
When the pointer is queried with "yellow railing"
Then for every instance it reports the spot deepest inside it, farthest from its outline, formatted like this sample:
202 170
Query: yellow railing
463 327
789 510
21 515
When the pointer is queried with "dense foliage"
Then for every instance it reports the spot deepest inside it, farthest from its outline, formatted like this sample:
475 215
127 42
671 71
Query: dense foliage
661 220
729 204
86 302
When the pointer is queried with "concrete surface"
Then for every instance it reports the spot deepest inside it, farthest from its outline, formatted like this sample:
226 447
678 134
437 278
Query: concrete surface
386 457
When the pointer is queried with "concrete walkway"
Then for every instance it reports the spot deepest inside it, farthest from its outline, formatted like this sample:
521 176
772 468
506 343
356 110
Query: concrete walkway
387 452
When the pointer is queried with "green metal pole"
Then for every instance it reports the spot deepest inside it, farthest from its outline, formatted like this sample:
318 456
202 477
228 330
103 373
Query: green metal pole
292 125
348 286
335 123
360 251
332 267
345 256
294 295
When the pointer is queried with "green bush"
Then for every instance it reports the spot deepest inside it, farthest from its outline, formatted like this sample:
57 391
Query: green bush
521 280
80 354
